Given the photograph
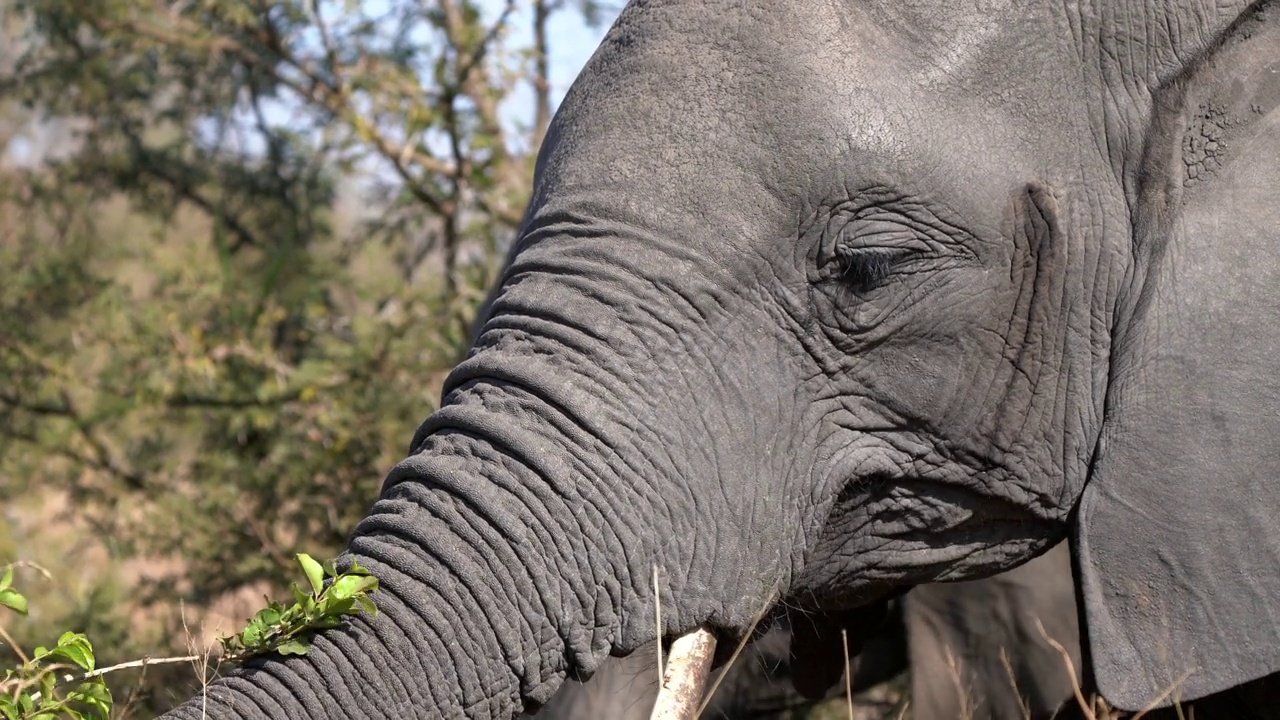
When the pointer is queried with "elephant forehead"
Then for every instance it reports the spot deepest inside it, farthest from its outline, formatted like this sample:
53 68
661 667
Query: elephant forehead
731 113
964 109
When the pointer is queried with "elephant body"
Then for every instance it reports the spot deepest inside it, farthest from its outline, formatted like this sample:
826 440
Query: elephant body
818 301
974 649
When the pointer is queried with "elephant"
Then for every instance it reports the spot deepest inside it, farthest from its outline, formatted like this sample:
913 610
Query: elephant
817 301
980 649
973 646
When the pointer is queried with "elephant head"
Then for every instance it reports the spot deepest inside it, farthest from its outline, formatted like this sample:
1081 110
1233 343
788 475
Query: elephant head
817 301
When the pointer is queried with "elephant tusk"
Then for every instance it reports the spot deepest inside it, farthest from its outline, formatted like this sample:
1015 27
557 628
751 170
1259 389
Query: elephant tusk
685 678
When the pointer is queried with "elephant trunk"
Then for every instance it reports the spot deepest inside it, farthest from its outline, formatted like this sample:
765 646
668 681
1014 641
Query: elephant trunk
476 617
518 541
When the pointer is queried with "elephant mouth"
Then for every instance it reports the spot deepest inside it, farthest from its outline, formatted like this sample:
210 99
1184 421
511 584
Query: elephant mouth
954 532
890 530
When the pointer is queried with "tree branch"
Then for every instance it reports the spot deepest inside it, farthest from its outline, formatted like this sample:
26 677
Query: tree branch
319 92
541 71
100 460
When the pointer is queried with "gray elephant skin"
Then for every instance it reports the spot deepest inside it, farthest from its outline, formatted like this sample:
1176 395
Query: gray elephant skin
977 649
817 301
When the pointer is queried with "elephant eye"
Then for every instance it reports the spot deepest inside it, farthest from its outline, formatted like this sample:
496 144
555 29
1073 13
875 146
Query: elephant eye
864 269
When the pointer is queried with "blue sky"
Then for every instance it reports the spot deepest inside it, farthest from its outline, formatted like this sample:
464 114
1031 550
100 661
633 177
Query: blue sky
571 43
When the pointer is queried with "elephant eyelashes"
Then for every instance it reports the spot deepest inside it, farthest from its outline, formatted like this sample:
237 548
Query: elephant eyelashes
864 269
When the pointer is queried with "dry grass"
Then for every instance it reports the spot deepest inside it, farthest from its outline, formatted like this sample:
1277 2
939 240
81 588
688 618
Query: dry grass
1096 707
890 700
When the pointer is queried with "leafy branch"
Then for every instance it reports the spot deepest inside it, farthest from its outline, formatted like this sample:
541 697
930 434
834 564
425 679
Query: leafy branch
287 630
34 689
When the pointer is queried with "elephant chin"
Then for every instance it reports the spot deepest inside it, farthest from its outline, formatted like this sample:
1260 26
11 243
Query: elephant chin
821 643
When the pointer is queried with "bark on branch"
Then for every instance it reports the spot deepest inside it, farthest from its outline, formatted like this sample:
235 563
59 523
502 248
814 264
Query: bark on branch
685 679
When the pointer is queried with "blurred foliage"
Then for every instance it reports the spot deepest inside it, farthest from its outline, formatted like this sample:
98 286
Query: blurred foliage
242 241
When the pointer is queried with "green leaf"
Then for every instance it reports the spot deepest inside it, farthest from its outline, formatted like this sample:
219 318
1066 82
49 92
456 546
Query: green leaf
269 615
325 623
7 578
76 648
296 646
95 690
349 586
13 600
96 695
48 682
314 571
339 607
252 634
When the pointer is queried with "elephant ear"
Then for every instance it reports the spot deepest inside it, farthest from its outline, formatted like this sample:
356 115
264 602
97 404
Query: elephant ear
1178 531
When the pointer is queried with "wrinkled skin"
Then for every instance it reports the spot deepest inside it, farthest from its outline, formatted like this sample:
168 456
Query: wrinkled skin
820 300
960 637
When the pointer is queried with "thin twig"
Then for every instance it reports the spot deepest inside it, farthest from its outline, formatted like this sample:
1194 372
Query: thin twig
34 566
1161 697
657 621
139 663
201 665
135 693
4 635
848 671
1071 671
1013 682
19 685
963 695
742 644
35 697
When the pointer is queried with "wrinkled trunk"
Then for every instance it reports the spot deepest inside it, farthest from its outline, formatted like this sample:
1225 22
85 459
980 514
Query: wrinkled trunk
476 616
630 403
518 541
502 561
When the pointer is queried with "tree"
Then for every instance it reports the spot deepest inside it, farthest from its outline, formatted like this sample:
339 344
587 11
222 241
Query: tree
245 263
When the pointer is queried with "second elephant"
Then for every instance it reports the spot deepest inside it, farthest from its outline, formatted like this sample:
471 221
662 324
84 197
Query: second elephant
974 647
